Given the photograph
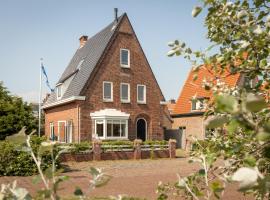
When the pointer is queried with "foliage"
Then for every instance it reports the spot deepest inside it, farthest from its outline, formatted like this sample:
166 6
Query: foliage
238 116
80 147
51 177
15 161
14 114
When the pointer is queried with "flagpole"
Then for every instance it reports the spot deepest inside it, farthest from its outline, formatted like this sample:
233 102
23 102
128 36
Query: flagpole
40 97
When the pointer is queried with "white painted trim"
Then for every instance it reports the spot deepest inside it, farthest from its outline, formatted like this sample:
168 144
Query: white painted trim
138 101
123 65
111 99
59 87
52 126
61 121
123 100
64 101
146 128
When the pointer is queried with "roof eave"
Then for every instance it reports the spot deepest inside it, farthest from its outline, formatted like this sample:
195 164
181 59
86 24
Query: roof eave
64 101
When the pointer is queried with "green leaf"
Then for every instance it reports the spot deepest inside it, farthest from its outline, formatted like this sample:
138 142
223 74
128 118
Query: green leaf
216 121
196 11
250 161
255 103
226 103
78 192
201 172
263 136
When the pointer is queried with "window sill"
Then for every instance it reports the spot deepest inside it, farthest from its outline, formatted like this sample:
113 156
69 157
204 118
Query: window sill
107 100
141 102
125 101
125 66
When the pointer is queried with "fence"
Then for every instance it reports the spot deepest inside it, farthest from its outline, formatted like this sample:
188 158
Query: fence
137 150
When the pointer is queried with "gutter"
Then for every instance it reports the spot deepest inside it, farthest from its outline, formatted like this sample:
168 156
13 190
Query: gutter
64 101
187 114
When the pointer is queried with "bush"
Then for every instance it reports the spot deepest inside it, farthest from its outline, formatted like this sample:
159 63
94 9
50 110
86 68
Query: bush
79 147
16 162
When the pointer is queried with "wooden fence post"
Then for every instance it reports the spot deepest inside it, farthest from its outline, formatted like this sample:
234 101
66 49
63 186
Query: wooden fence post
172 148
96 149
137 149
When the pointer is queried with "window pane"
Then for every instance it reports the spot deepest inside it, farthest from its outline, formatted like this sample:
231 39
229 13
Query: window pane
109 128
124 92
141 93
123 128
116 128
107 91
124 57
99 127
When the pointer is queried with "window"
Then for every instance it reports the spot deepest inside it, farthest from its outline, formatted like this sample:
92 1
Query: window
125 92
100 128
124 58
115 129
141 94
59 91
107 91
52 137
197 104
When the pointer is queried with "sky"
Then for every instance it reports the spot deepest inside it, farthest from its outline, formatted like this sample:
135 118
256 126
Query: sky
49 29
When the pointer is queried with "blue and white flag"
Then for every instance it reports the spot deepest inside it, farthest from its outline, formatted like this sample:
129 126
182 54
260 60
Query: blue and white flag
47 80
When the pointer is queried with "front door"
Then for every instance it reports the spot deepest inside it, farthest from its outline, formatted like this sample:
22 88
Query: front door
141 129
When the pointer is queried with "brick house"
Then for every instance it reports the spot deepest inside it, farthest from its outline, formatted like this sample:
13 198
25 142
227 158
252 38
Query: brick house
108 91
190 106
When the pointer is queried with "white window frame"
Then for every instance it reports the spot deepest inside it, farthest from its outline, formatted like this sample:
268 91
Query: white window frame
111 99
124 65
139 101
124 100
105 120
58 133
57 92
197 102
52 132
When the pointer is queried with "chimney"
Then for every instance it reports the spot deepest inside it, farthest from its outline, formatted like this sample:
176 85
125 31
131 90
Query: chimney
115 14
83 40
172 101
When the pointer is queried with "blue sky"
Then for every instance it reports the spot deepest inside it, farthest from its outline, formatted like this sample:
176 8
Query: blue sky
31 29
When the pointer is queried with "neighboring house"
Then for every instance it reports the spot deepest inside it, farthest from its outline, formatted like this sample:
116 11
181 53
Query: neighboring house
170 105
108 91
190 106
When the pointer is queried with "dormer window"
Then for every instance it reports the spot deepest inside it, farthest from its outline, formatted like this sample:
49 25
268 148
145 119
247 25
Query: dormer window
124 58
59 91
197 104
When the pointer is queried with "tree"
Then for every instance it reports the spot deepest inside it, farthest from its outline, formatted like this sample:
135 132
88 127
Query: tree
14 114
239 117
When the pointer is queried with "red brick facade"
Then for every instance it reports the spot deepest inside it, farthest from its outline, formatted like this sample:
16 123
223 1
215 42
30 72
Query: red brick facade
109 69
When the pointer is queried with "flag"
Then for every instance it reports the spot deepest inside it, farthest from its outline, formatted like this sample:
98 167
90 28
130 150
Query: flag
46 76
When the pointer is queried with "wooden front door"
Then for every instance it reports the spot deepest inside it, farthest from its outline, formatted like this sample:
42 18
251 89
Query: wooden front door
61 132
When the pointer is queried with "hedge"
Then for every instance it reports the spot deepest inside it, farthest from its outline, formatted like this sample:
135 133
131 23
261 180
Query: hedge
16 162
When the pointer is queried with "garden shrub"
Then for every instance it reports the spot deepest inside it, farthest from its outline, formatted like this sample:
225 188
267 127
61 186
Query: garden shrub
16 162
80 147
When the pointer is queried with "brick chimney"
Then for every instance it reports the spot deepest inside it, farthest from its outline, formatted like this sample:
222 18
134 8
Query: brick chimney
83 40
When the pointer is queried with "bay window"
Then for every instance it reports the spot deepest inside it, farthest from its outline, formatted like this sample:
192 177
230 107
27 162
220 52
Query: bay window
110 124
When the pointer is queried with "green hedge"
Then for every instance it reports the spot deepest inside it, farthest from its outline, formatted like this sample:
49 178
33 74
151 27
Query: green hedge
15 162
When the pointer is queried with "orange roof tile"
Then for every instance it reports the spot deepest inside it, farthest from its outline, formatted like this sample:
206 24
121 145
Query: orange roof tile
193 88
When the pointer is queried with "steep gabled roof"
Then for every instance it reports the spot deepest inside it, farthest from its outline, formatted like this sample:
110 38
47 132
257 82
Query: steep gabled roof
193 88
91 53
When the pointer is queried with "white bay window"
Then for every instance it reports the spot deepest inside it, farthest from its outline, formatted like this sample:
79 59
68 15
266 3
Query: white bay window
110 124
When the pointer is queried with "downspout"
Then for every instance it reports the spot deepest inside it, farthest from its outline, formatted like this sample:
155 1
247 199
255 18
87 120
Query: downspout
79 123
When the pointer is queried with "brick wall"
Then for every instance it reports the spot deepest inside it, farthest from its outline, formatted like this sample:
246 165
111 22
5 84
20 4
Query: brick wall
194 126
139 73
63 113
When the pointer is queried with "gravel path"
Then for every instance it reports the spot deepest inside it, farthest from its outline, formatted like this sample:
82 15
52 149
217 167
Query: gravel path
130 177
